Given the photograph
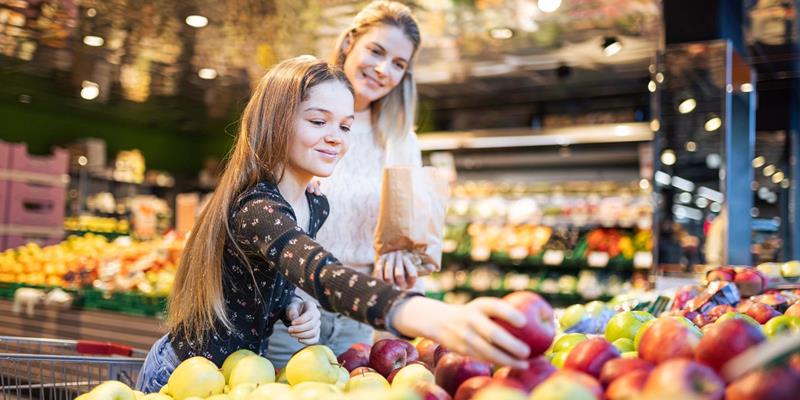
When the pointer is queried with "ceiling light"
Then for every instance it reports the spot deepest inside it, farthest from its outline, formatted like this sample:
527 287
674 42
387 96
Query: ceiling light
655 125
785 184
713 124
701 202
746 87
777 177
651 86
685 197
713 161
90 90
769 170
207 73
711 194
91 13
196 21
660 77
687 106
549 5
501 33
611 46
715 207
668 157
644 184
759 162
93 41
691 146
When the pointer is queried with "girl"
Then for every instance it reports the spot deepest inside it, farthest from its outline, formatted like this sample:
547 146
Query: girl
253 243
376 53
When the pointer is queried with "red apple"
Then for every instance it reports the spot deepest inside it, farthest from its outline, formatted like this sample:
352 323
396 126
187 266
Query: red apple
411 352
726 274
427 352
744 305
430 391
618 367
717 312
453 369
580 378
589 356
539 328
762 312
668 338
471 386
750 282
629 386
538 370
793 310
726 340
361 370
356 356
778 383
388 355
683 379
438 354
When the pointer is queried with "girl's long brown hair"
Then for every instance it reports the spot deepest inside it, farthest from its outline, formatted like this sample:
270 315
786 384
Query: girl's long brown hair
260 152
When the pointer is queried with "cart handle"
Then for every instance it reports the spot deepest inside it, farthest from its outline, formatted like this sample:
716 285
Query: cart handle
103 348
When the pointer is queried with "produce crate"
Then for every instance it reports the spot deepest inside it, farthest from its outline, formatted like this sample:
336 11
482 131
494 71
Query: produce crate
124 302
34 204
7 289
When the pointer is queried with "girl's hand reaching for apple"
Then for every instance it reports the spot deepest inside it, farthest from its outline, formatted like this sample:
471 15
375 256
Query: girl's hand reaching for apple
466 329
305 317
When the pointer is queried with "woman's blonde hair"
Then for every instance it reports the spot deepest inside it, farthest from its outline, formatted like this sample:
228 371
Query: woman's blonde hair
392 115
260 152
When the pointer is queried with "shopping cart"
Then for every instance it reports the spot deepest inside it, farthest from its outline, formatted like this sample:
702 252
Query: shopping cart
33 368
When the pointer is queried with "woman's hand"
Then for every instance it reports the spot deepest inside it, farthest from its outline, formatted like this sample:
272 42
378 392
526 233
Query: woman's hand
305 317
313 187
466 329
396 268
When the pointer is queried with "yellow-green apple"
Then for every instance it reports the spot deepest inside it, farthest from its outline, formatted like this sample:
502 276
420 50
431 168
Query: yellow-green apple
561 387
567 341
315 363
138 395
629 386
406 376
590 355
750 282
165 389
367 380
272 391
790 270
453 369
617 367
683 379
221 396
499 392
242 391
344 376
427 352
155 396
112 390
362 370
668 338
630 354
572 315
538 370
782 324
232 360
776 383
430 391
587 381
467 390
388 355
624 345
726 274
738 315
310 390
281 378
559 359
252 369
356 356
640 332
539 328
195 376
626 324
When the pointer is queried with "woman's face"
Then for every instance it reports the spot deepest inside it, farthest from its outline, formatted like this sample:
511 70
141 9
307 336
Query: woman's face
377 62
322 130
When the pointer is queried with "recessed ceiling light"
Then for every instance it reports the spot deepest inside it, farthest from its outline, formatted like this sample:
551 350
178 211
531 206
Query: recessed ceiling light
713 124
611 46
759 161
651 86
777 177
207 73
668 157
93 41
769 170
691 146
746 87
549 5
89 90
196 21
501 33
687 105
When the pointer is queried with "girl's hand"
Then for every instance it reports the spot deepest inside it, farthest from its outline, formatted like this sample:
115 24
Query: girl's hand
305 317
466 329
313 187
396 268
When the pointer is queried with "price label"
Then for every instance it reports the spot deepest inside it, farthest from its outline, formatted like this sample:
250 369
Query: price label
643 260
553 257
598 259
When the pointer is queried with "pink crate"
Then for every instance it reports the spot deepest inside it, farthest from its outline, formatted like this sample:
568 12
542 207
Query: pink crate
55 164
13 241
5 163
5 155
35 205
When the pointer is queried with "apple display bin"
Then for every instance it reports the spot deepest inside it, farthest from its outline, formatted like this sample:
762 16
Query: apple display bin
62 369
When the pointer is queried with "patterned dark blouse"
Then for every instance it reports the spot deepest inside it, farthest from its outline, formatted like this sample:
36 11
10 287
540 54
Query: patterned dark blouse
282 256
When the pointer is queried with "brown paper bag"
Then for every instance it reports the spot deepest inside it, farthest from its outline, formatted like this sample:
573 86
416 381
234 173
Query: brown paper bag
411 217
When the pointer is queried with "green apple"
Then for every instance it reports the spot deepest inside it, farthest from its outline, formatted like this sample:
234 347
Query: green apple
242 390
499 392
626 324
221 396
596 307
139 395
572 315
315 363
624 345
567 341
193 398
735 315
782 324
638 337
112 390
272 391
157 396
232 360
559 358
383 394
84 396
315 390
252 369
344 376
561 388
195 376
630 354
164 390
411 374
367 380
791 270
688 323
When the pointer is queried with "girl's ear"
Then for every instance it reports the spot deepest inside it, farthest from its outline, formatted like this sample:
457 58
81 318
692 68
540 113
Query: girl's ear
347 43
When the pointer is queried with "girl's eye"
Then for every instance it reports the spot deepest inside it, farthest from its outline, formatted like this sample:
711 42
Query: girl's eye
317 122
400 66
377 52
346 128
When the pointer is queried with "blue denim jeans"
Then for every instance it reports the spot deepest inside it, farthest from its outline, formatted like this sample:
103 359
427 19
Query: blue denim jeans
158 366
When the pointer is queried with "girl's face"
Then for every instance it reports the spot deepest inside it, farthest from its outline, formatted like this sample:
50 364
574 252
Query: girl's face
377 62
322 130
